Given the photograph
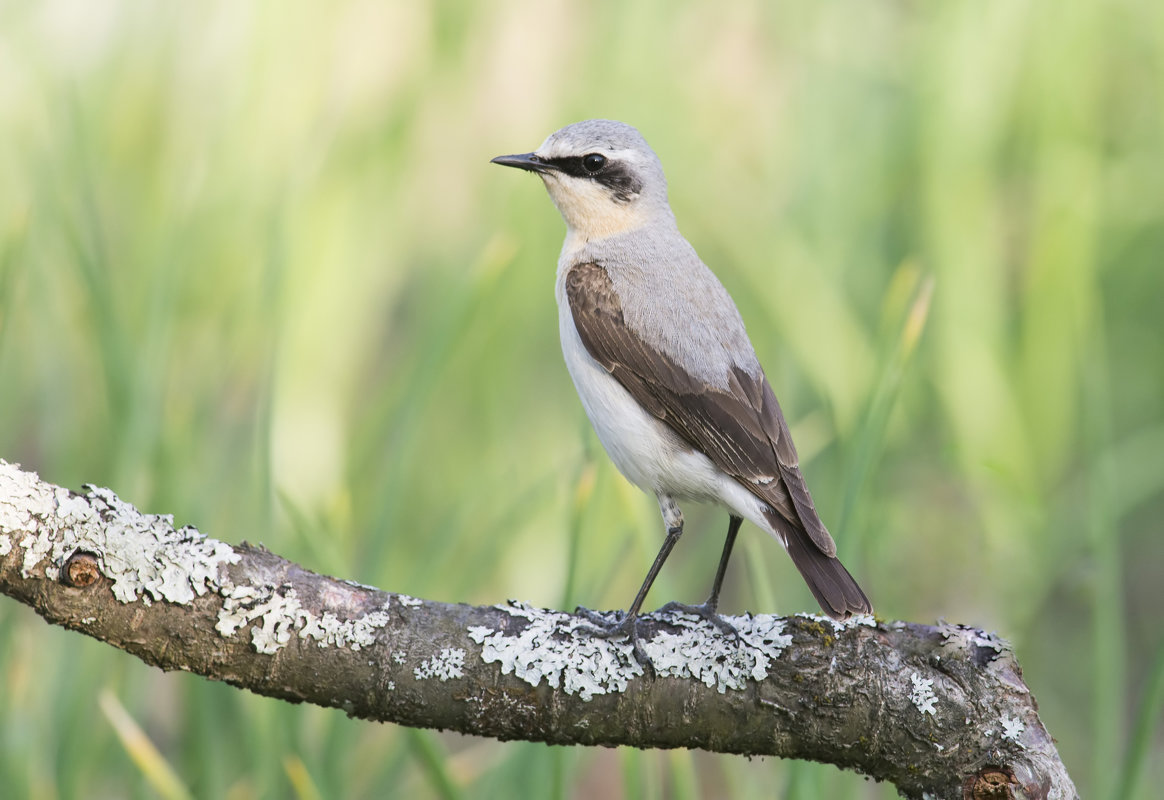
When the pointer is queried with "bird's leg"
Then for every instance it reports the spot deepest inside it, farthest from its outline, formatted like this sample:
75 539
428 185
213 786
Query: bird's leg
710 610
734 523
627 625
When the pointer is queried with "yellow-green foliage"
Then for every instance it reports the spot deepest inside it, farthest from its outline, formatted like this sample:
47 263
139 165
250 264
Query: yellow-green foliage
256 271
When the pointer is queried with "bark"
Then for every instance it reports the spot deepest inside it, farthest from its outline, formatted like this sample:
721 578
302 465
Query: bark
939 711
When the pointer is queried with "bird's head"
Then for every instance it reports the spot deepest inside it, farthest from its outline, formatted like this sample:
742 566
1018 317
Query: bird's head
601 174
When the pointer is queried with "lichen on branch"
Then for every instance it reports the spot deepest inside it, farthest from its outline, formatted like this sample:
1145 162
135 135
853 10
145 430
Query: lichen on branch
937 710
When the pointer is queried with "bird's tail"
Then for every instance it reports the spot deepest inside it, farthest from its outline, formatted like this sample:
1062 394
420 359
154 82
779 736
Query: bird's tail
831 584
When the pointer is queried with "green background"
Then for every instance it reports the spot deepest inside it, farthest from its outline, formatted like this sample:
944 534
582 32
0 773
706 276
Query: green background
256 271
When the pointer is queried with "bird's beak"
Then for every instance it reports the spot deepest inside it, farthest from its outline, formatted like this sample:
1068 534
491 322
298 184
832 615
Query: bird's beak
529 161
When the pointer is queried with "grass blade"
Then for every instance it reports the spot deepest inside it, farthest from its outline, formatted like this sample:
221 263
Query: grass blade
145 755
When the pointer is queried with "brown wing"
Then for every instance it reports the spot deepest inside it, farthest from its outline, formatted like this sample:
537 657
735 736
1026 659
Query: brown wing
741 429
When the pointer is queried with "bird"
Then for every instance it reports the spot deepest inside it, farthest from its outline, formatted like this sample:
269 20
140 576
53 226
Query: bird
666 373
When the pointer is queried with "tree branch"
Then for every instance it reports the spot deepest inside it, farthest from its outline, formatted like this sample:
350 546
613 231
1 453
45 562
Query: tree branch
938 711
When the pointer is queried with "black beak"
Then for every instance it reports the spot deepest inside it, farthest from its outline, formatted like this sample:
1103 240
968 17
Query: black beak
529 161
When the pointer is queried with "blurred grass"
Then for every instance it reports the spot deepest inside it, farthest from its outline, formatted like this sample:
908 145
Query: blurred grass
256 271
141 750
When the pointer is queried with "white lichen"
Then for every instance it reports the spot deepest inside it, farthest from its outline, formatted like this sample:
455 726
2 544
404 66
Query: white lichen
24 499
550 648
922 695
838 625
277 611
701 651
1012 728
147 559
144 556
330 630
278 614
405 600
562 650
447 664
991 640
968 637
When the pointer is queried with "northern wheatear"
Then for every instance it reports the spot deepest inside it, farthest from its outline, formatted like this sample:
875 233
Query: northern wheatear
664 367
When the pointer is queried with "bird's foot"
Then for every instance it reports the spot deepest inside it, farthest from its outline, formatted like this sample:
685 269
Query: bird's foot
706 612
623 626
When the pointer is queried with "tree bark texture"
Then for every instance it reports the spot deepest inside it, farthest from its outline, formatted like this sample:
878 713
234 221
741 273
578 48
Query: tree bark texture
939 711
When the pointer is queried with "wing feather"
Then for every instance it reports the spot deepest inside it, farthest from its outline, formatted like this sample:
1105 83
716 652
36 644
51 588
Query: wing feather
740 428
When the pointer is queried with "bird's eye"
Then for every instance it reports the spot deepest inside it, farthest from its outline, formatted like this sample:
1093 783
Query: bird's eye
593 162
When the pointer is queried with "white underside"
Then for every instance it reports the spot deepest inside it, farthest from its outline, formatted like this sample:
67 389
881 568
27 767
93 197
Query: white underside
645 450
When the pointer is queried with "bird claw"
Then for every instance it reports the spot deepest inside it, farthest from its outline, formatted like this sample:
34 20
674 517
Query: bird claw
706 612
622 627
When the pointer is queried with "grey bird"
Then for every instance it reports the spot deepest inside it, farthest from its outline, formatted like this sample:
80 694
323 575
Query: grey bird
665 370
